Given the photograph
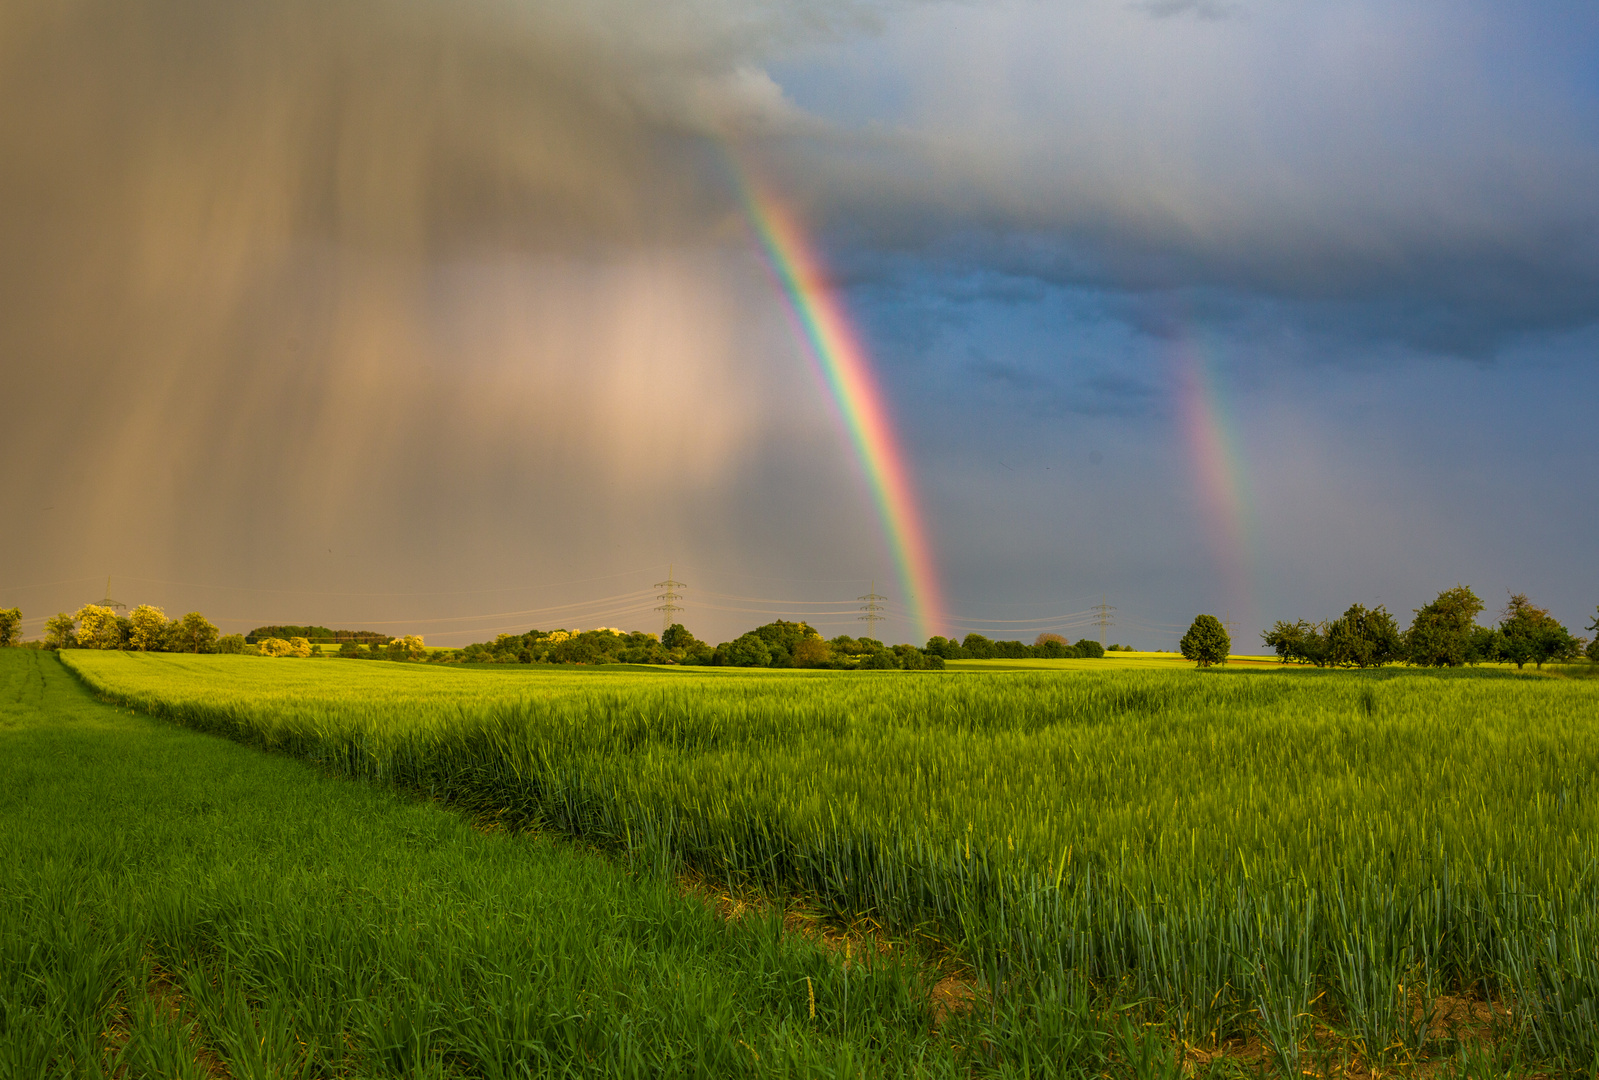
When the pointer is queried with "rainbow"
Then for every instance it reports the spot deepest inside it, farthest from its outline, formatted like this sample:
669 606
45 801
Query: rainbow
1219 473
846 370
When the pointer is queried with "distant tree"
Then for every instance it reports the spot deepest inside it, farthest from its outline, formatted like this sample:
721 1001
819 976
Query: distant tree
411 647
677 637
946 648
1361 638
749 650
1531 633
288 633
910 658
1055 649
813 652
149 628
1287 639
232 644
60 631
1089 648
1593 646
1440 634
194 633
784 635
1046 637
1206 642
300 647
1485 645
273 646
881 660
10 627
978 647
97 627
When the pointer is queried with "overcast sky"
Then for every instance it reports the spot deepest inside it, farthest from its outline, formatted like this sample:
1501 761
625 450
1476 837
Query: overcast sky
445 318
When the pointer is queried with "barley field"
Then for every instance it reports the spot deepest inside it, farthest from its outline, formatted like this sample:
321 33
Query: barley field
1396 860
175 906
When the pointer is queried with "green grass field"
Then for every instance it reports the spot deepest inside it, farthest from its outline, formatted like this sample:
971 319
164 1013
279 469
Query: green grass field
177 905
1311 859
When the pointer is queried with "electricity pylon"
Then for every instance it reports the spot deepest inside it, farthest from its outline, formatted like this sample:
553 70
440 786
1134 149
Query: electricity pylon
1102 612
671 596
872 607
115 605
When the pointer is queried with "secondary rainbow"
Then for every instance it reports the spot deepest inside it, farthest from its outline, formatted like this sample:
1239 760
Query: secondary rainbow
846 369
1219 472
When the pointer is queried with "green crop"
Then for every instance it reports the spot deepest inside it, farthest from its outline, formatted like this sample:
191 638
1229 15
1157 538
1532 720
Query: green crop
1242 854
178 906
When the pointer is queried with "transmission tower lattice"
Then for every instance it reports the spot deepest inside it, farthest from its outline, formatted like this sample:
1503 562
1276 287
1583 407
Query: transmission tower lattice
115 605
873 608
671 596
1102 616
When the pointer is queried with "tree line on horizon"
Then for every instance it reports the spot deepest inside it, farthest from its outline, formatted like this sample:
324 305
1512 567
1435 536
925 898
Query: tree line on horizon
1443 633
316 635
778 644
146 628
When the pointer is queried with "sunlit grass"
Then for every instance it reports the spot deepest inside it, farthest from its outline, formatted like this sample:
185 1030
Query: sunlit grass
1248 853
174 905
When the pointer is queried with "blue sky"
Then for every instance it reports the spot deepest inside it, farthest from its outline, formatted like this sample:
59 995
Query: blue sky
444 318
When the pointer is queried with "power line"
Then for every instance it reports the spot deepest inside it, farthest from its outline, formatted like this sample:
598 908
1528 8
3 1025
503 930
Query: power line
1229 626
873 610
1070 616
324 592
671 596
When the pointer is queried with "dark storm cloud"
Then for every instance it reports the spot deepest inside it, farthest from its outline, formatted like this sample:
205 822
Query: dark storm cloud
362 297
1048 392
1415 173
340 295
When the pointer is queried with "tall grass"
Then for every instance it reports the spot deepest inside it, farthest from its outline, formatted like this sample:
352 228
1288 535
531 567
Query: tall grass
178 906
1246 854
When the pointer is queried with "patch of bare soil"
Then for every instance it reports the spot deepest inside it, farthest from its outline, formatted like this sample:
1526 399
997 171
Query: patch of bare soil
162 992
954 990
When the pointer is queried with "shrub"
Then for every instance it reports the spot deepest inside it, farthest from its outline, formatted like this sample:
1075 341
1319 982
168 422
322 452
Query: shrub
10 627
274 646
